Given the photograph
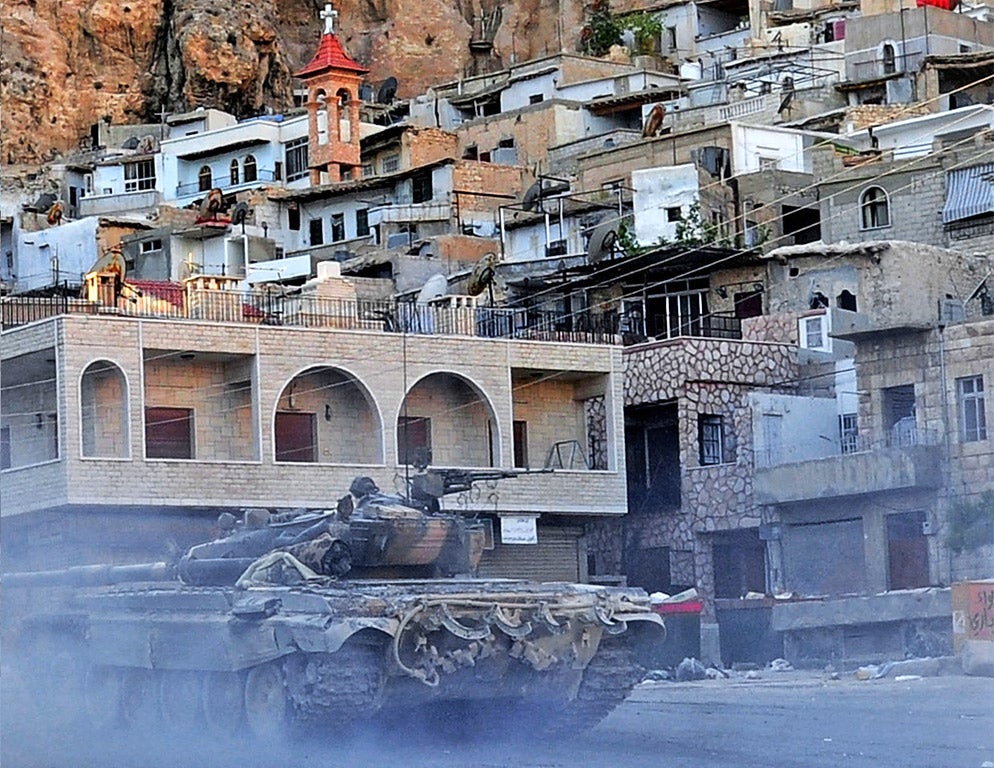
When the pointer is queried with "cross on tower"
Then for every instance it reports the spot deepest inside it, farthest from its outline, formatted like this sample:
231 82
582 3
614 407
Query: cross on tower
329 14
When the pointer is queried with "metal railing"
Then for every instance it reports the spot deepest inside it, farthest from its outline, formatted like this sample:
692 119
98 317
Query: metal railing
821 447
262 175
296 309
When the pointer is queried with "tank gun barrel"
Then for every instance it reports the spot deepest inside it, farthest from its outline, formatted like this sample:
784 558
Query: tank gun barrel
438 482
91 575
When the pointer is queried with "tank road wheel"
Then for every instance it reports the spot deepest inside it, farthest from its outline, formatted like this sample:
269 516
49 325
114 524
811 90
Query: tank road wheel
222 701
102 697
139 698
180 696
266 704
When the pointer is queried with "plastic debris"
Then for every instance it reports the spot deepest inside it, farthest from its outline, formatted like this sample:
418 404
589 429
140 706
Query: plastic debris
690 669
781 665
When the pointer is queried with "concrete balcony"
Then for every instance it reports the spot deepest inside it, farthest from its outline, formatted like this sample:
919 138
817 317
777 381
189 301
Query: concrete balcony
410 212
98 205
882 469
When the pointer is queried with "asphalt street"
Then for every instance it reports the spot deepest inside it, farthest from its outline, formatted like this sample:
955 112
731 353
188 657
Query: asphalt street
782 720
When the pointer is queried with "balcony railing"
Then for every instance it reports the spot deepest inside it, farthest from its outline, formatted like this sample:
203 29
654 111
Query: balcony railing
262 176
264 307
814 449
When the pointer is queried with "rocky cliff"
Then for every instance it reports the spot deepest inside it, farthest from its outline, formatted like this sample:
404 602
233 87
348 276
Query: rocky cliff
64 64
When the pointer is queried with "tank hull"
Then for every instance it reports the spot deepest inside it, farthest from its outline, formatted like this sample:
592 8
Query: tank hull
263 658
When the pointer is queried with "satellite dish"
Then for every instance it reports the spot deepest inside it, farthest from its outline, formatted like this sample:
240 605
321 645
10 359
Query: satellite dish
112 261
436 287
654 121
387 91
211 205
239 214
482 275
602 242
532 201
131 143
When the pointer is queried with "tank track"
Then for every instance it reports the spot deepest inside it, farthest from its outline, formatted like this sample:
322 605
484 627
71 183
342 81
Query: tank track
609 678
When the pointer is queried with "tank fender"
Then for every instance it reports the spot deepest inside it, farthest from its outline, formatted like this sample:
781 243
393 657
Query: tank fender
323 635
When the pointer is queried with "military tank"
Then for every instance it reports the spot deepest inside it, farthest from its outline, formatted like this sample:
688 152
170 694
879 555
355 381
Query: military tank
332 616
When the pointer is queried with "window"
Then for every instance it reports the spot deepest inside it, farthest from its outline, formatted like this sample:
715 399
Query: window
710 438
390 164
277 170
536 98
296 159
316 230
972 414
814 332
421 189
204 179
367 169
168 433
251 174
337 227
669 35
293 218
148 246
874 208
139 176
888 55
5 459
362 223
674 213
414 440
520 444
849 432
234 172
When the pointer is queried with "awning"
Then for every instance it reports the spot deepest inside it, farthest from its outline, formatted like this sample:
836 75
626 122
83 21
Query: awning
969 192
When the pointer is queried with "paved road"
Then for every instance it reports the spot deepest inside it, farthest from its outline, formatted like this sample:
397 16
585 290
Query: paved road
784 720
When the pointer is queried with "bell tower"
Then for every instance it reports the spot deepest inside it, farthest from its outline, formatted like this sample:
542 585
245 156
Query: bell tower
332 81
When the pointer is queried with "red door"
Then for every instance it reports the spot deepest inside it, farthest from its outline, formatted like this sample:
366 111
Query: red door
296 437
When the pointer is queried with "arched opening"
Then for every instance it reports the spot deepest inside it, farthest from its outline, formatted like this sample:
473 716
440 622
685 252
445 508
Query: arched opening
205 180
344 97
103 411
445 420
846 300
874 207
889 57
250 169
234 172
321 98
325 415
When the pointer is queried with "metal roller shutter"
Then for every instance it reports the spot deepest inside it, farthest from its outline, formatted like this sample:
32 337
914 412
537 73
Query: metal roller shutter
556 557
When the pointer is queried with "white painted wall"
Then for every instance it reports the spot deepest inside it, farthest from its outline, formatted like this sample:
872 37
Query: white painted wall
789 429
657 189
751 145
72 244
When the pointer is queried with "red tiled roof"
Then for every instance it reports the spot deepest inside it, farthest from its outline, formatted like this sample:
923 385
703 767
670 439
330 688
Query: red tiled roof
330 55
163 290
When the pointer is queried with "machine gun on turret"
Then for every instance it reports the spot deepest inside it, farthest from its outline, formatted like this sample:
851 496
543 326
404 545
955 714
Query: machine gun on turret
426 488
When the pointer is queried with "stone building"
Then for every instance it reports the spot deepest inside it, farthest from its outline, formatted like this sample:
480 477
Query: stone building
126 428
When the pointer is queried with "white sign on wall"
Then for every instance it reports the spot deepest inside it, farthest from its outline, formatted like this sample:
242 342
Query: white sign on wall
518 529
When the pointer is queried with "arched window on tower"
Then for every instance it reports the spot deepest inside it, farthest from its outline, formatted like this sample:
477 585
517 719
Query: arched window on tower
204 179
344 121
322 117
234 172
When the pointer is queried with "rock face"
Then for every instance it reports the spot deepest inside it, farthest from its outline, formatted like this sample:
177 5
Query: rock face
68 63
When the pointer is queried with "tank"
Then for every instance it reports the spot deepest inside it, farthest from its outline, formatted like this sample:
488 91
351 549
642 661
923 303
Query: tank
323 617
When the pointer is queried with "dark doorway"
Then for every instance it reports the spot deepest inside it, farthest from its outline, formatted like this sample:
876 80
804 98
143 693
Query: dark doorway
648 568
295 437
652 448
907 551
739 563
414 440
803 224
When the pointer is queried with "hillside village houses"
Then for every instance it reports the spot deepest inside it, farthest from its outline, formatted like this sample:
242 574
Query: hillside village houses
731 285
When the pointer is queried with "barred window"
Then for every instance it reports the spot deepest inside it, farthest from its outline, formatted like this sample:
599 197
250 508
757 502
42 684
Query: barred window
710 430
296 159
